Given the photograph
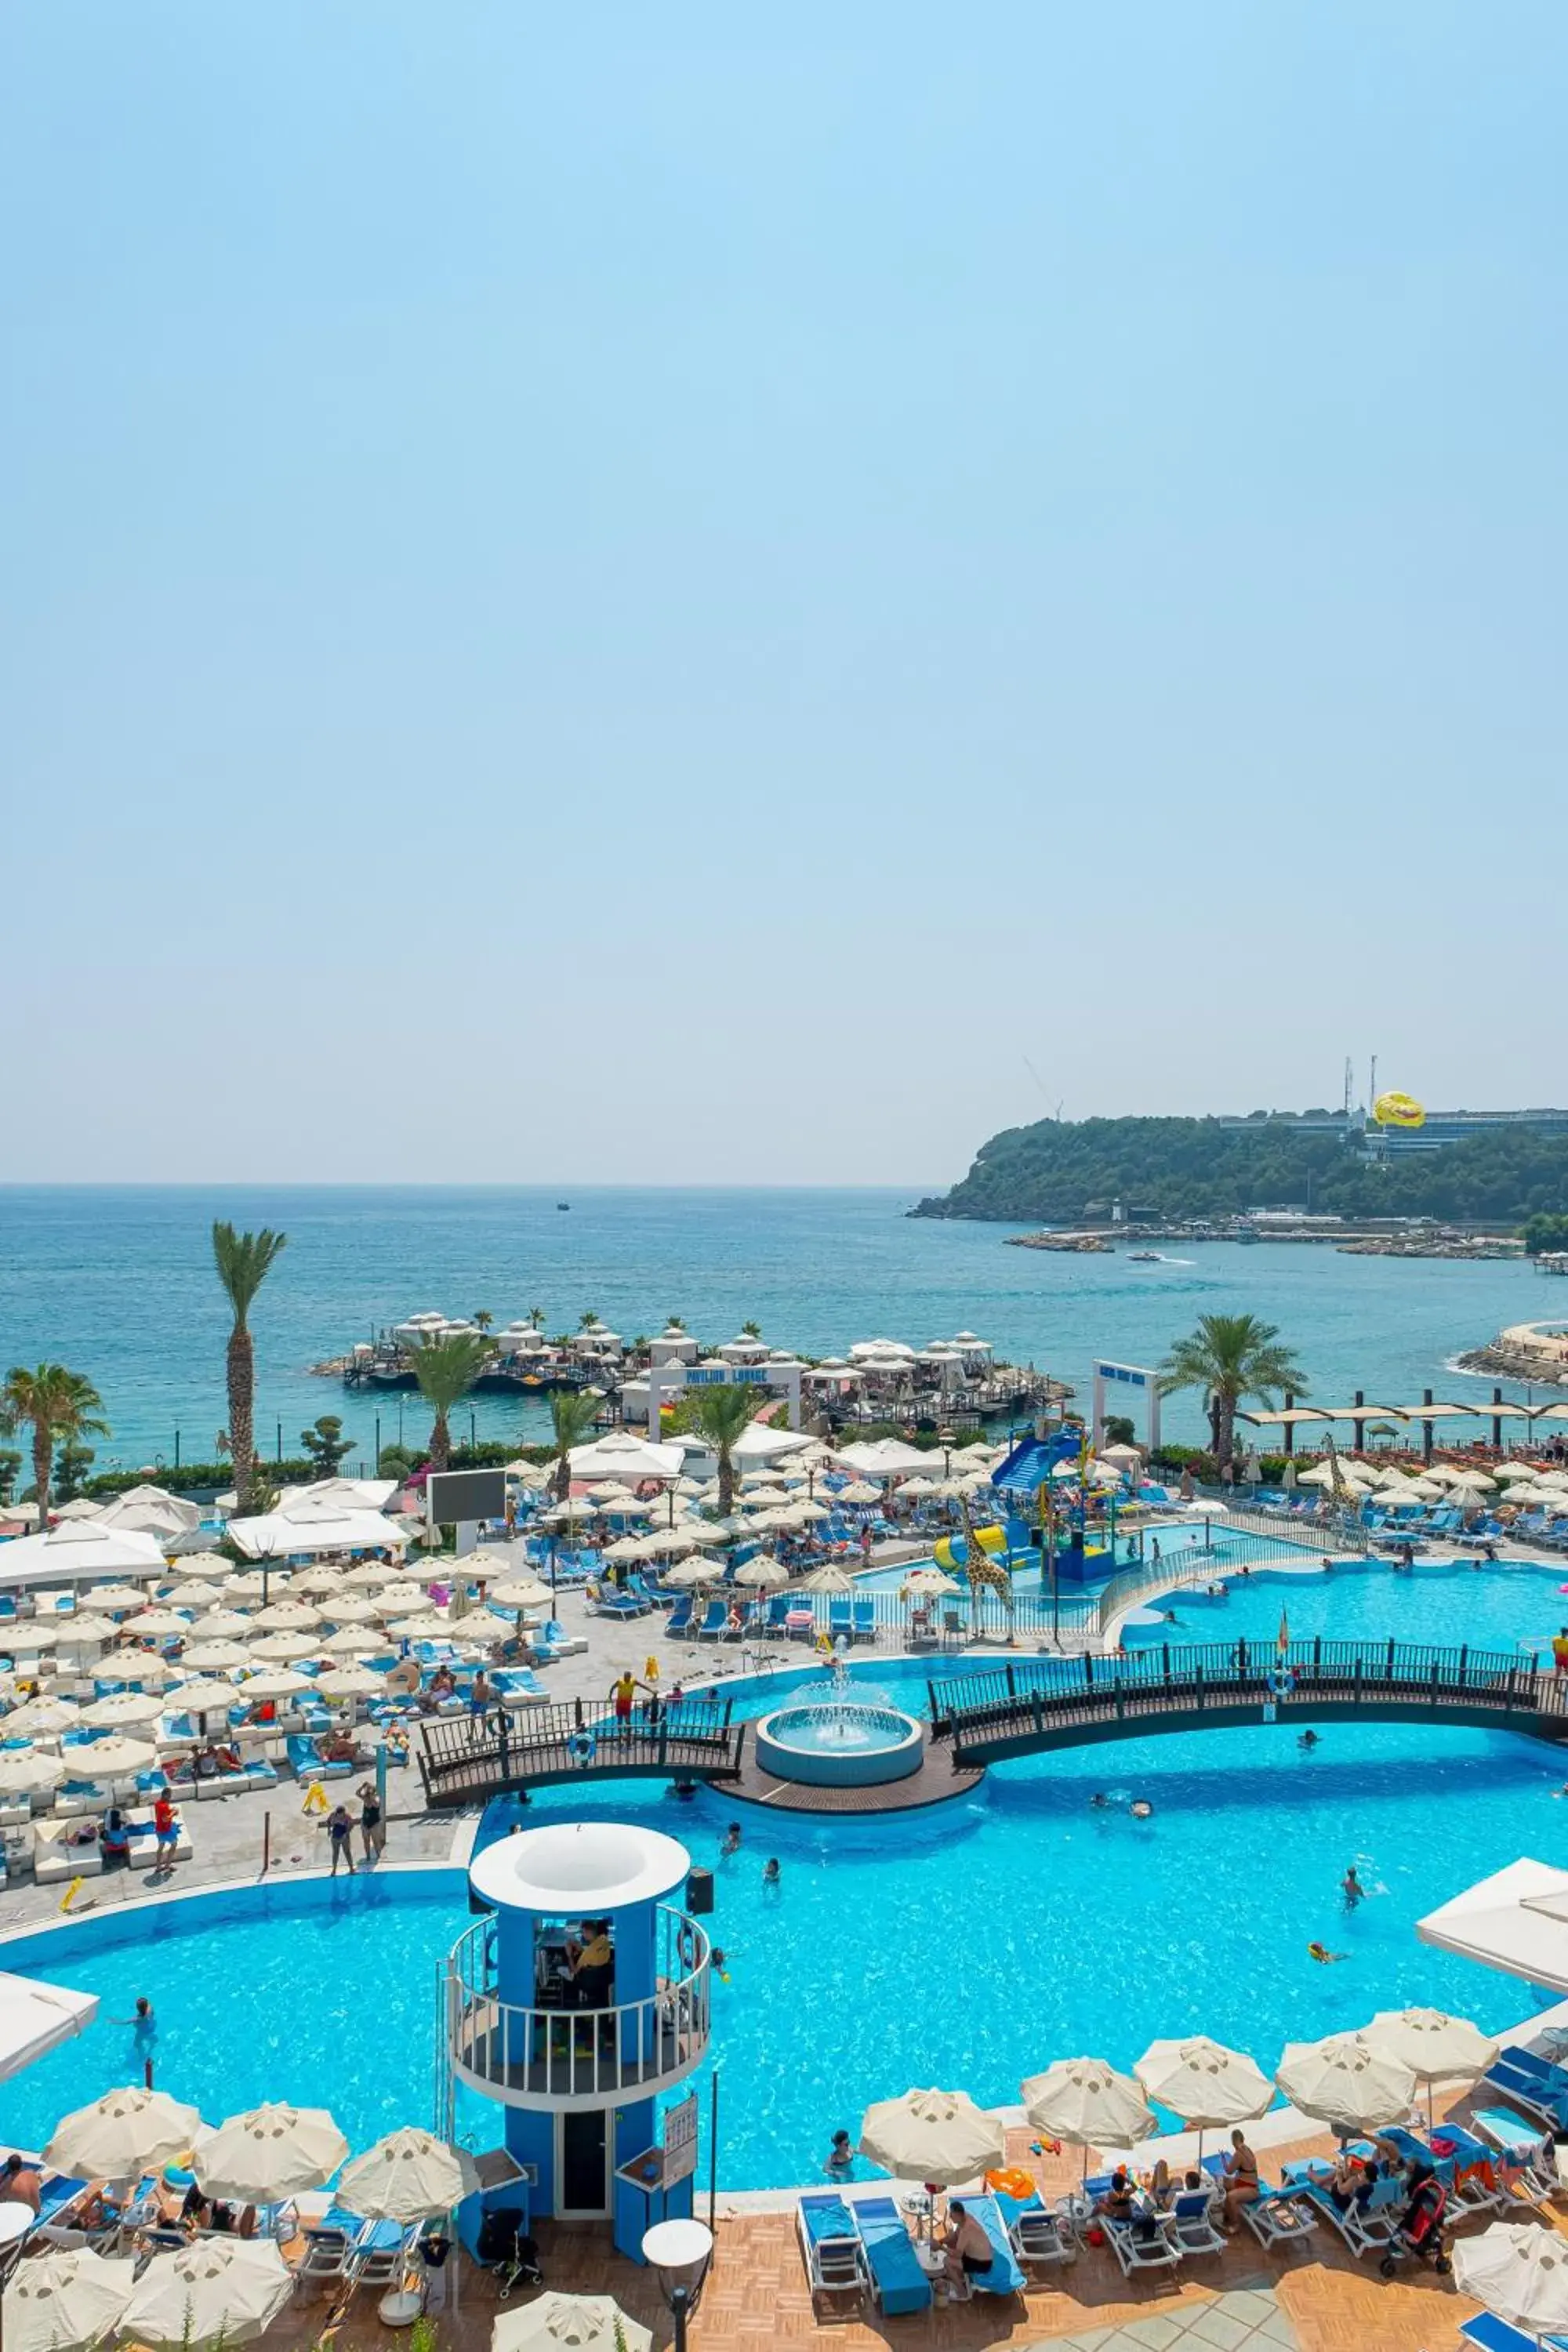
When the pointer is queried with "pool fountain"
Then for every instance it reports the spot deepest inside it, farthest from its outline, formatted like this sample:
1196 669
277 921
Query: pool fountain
839 1733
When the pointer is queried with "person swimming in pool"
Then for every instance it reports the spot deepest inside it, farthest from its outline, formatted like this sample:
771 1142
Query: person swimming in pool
1322 1954
1352 1889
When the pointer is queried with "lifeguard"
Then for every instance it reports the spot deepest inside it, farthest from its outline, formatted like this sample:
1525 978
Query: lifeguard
1559 1650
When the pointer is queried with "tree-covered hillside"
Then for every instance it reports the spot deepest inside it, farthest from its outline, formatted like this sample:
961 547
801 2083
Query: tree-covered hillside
1053 1171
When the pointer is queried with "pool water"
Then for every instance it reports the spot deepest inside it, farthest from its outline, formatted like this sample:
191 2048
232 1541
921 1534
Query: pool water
968 1946
1446 1605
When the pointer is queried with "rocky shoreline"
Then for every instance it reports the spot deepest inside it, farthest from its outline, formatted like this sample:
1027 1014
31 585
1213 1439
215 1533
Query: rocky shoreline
1528 1352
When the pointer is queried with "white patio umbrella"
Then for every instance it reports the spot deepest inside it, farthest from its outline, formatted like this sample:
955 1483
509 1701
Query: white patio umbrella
27 1772
160 1625
245 1586
568 2322
44 1714
859 1491
1088 2104
370 1576
690 1573
228 2287
114 1596
528 1592
407 2177
67 2299
427 1625
353 1609
1437 2047
668 1543
1206 2084
122 2135
763 1574
400 1599
282 1649
624 1549
113 1757
1520 2270
320 1583
352 1642
216 1657
202 1695
1347 2082
275 1682
1470 1482
350 1682
32 1633
195 1595
210 1564
828 1578
288 1617
268 2154
929 1584
214 1625
936 2136
123 1706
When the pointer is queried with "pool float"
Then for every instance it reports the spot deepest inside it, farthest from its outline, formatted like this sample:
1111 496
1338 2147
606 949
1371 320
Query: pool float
582 1746
1281 1682
1398 1110
1012 2180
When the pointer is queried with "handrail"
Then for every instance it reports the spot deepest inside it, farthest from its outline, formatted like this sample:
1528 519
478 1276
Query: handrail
461 1759
554 2053
980 1712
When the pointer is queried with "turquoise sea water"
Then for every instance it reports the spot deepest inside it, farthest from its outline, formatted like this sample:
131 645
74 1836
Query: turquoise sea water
118 1282
968 1947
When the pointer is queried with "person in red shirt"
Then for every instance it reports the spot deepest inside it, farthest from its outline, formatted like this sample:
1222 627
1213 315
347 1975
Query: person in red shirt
167 1829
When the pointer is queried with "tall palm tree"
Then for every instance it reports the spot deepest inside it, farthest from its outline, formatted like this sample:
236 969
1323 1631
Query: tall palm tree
751 1331
723 1416
57 1405
1231 1358
483 1318
243 1262
536 1317
573 1412
446 1371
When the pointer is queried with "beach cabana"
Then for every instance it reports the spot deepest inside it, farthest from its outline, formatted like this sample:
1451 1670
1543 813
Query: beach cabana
307 1526
81 1548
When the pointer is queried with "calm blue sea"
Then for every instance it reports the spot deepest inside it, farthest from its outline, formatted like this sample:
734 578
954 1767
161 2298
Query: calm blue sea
118 1282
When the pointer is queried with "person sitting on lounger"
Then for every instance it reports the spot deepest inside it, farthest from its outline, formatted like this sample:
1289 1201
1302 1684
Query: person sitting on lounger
335 1748
969 2253
1162 2187
20 2181
1241 2184
443 1684
114 1837
1353 2180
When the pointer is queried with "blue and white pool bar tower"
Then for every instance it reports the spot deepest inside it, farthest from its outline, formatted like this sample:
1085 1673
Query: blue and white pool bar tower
579 1998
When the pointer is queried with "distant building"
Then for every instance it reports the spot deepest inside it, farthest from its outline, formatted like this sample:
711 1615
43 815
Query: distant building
1442 1128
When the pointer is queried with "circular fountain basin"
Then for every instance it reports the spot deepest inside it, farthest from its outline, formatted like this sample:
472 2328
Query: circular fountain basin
840 1747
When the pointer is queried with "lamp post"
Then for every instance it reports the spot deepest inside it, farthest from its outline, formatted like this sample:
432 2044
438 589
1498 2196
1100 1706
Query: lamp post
944 1438
678 2253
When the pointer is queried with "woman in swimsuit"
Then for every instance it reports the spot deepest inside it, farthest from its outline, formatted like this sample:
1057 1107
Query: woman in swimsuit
1241 2178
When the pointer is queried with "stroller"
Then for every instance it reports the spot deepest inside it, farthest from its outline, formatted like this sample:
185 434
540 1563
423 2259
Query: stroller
1419 2236
507 2252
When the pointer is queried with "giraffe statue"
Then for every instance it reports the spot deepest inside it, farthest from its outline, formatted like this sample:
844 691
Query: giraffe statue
1339 1486
985 1573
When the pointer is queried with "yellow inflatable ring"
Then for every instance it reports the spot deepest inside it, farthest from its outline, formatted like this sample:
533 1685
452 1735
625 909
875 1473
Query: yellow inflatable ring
1012 2180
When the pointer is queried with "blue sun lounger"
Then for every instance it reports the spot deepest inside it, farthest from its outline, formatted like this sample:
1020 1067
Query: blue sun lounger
1003 2277
898 2282
830 2246
1488 2333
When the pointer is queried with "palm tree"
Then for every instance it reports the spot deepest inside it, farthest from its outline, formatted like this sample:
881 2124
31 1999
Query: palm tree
1231 1357
724 1415
751 1331
56 1405
571 1415
483 1318
536 1317
676 1323
243 1262
446 1371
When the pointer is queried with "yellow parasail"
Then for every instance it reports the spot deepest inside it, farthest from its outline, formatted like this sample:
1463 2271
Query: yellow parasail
1398 1110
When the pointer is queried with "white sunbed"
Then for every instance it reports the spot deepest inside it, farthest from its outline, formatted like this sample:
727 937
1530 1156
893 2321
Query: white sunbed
1277 2217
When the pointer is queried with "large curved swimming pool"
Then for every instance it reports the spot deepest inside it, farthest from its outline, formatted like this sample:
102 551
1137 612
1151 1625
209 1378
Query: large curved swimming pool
969 1945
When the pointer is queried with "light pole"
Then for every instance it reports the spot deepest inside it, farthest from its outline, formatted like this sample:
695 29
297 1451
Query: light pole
678 2253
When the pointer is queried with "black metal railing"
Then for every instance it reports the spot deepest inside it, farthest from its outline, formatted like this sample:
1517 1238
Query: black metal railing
984 1713
464 1762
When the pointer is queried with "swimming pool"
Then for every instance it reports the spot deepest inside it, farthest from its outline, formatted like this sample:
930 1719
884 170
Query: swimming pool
1444 1603
969 1945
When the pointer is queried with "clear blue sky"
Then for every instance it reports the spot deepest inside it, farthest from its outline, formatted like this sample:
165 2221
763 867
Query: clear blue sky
708 579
